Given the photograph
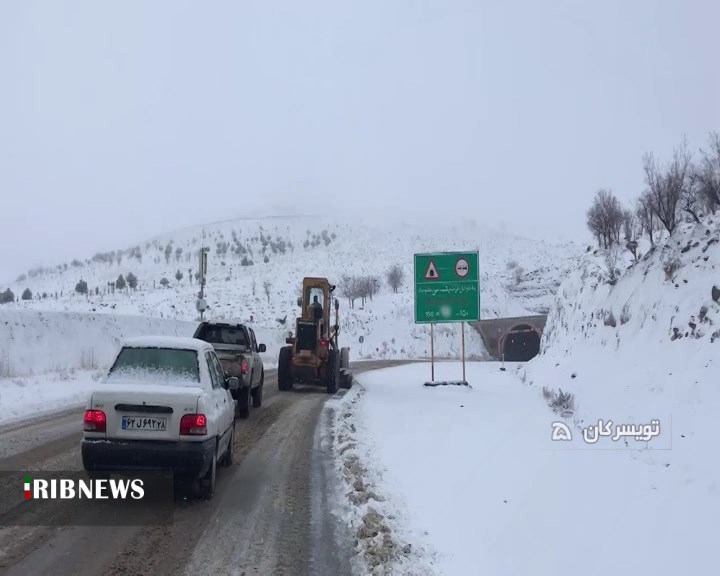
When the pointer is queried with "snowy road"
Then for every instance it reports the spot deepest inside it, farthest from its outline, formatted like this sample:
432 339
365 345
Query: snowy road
268 516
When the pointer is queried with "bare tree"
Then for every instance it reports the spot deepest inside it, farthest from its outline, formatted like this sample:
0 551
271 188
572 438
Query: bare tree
707 175
612 261
691 203
605 218
395 277
350 289
371 286
630 231
667 186
646 217
266 287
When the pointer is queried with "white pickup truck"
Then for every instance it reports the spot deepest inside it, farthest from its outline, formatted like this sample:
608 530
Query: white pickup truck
165 404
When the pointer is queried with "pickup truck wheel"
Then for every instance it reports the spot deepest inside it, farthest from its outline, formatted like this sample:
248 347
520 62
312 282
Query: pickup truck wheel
284 375
257 392
243 403
229 455
205 485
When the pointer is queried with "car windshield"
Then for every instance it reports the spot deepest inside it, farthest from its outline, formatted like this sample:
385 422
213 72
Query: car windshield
159 365
231 335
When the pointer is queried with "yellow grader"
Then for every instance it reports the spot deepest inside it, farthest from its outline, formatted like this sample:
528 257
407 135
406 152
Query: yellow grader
313 355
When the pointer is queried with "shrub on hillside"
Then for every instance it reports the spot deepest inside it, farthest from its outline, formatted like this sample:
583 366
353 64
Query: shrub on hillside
120 283
518 273
560 402
395 277
131 280
670 267
164 282
27 294
7 297
81 287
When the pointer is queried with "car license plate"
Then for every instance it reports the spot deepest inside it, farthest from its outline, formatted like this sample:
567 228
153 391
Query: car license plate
145 423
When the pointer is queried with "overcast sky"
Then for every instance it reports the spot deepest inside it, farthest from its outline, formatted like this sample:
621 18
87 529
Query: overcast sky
123 120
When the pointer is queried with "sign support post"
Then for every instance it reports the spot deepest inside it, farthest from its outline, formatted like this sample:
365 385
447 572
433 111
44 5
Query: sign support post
462 338
432 354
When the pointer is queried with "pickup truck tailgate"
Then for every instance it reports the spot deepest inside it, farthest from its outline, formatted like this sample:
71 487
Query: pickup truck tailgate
231 359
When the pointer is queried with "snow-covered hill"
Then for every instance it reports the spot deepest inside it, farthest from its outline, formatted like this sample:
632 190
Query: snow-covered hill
646 344
256 267
646 348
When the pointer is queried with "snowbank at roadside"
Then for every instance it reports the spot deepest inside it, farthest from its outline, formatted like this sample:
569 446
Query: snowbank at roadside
456 481
33 396
34 342
37 342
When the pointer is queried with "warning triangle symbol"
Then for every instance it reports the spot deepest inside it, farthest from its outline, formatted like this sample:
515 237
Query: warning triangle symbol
431 272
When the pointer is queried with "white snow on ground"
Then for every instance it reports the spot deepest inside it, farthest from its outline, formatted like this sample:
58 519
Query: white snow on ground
469 477
28 397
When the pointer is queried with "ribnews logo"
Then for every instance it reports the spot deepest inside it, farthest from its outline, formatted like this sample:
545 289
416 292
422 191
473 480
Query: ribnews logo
79 498
90 489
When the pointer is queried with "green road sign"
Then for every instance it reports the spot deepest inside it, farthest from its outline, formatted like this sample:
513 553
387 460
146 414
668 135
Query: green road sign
447 287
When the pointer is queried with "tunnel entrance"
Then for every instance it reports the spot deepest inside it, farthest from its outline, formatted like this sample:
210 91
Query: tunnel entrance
521 343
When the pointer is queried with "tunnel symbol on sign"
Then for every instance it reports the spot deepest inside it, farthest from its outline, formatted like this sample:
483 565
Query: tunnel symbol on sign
431 272
461 267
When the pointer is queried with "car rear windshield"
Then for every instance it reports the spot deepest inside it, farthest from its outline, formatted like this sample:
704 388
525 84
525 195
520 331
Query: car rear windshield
160 364
230 335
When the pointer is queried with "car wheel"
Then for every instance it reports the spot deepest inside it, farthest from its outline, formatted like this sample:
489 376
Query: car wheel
229 455
243 403
257 392
205 485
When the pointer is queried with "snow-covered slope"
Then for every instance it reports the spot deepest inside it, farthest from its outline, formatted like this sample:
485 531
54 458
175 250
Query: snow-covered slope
35 342
648 348
650 341
256 267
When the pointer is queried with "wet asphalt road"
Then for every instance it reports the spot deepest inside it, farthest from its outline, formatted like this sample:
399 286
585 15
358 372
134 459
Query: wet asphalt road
271 513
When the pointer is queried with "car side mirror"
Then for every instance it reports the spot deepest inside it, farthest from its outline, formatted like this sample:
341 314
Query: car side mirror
262 348
233 383
299 301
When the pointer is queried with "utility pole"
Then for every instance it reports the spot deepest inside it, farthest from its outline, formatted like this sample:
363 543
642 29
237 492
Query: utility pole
201 305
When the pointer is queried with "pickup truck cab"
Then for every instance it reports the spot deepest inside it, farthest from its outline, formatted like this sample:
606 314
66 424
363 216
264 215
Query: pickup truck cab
239 353
165 404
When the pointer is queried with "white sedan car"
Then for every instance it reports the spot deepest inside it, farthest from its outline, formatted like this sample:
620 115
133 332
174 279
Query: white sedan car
165 404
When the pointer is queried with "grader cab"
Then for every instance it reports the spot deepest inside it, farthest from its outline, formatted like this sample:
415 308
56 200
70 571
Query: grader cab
313 354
